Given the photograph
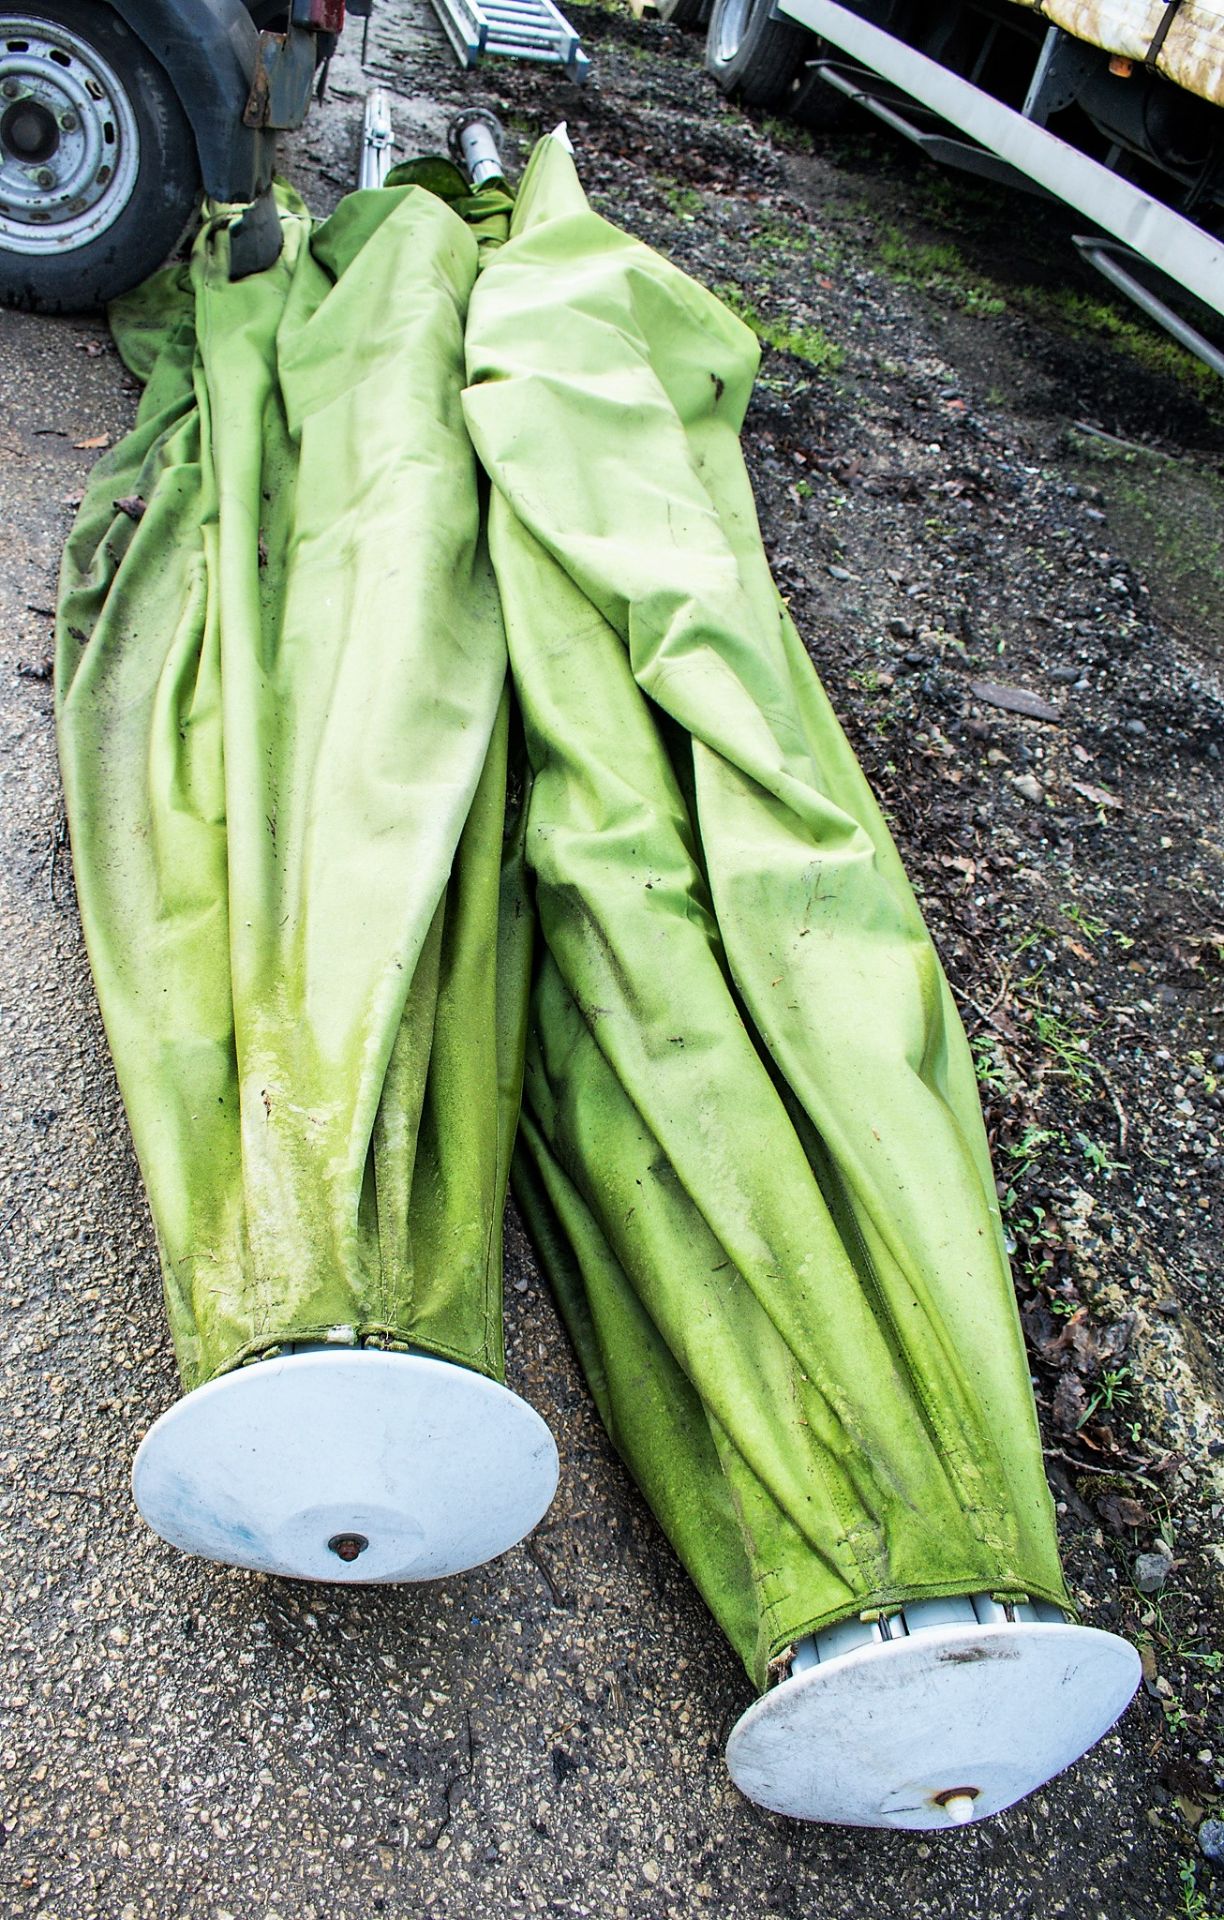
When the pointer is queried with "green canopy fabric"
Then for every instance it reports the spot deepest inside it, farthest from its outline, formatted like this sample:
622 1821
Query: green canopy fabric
751 1153
282 724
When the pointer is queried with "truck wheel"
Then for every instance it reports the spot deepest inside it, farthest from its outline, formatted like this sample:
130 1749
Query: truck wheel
752 57
98 168
684 13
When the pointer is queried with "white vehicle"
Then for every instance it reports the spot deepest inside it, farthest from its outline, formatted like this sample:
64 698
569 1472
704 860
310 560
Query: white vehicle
1115 107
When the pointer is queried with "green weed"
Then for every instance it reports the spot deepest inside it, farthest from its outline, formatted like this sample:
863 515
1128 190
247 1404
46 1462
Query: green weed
685 202
1097 1156
1091 928
779 236
1154 349
810 344
1027 1150
1023 1155
1194 1902
1068 1047
990 1063
1110 1395
787 134
941 268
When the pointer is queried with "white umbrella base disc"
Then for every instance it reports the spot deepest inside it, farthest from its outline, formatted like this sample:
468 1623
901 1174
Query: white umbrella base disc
935 1730
354 1466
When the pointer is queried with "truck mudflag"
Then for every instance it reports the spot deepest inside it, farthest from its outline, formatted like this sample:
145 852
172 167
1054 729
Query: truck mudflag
751 1153
283 717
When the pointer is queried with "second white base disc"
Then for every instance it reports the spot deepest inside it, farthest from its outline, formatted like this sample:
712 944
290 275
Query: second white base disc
931 1731
347 1465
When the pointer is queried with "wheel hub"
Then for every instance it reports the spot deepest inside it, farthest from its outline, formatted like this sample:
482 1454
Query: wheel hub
29 132
69 145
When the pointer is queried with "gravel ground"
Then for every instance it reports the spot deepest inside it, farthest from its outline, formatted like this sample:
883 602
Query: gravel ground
973 473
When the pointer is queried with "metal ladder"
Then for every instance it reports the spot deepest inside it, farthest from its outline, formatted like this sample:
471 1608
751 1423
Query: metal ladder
515 29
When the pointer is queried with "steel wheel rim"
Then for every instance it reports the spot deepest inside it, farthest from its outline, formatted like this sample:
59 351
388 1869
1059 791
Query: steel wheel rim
69 143
732 22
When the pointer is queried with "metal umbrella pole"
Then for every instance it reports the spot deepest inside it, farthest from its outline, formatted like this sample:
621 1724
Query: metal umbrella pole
377 138
473 140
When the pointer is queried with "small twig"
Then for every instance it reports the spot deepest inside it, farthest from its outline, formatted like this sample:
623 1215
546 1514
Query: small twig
427 1846
1001 995
1117 1107
58 839
1115 440
559 1599
1084 1466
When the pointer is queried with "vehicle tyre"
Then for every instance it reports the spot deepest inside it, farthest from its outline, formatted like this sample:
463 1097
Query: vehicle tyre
98 167
754 58
684 13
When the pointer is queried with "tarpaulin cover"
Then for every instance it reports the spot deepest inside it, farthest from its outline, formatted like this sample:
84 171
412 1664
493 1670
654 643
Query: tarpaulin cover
751 1152
1182 39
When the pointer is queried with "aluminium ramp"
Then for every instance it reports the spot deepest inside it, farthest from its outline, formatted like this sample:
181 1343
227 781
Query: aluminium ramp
513 29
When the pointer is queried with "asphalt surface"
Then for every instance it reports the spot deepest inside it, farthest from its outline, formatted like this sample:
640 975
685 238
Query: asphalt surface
543 1735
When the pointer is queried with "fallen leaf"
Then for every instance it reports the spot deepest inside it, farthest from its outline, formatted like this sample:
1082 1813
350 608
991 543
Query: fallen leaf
1002 1022
1120 1512
1014 700
131 504
1096 796
1070 1403
97 440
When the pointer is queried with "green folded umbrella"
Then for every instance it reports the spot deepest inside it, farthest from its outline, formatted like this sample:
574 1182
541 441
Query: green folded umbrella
283 720
751 1151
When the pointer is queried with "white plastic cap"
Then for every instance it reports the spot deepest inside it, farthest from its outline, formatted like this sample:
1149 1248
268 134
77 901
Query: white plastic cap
347 1465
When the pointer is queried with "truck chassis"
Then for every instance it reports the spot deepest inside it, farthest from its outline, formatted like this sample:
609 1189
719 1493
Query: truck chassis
993 87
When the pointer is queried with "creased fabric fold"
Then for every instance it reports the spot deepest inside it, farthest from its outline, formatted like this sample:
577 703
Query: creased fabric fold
282 722
752 1152
431 443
